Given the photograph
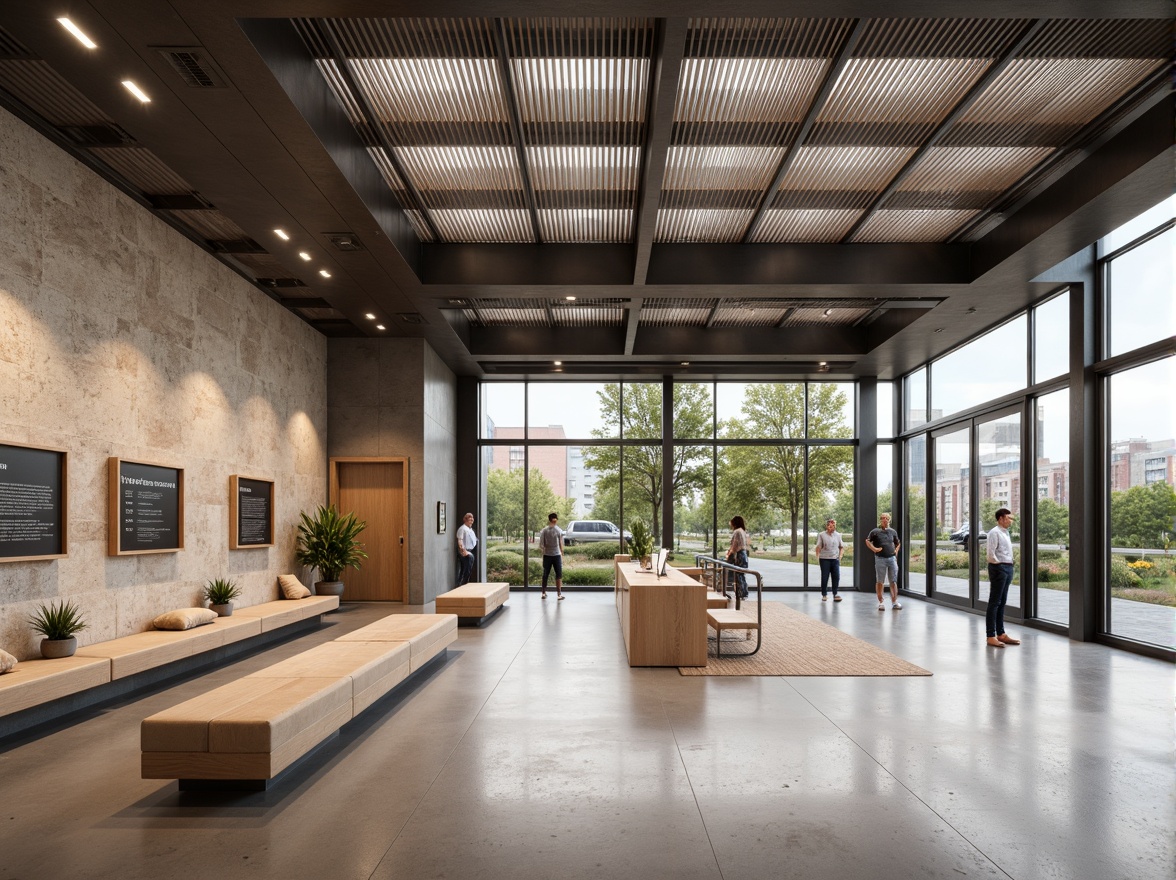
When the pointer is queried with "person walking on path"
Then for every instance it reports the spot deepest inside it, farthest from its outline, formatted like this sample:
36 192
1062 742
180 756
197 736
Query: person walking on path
884 544
467 549
828 550
551 546
737 553
1000 575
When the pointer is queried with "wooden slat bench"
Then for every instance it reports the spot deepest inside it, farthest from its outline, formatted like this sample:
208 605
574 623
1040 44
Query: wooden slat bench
39 682
243 734
473 603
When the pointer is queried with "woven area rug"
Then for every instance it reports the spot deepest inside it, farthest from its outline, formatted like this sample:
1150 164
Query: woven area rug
795 644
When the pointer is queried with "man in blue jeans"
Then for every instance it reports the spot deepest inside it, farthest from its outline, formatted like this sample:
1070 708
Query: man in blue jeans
1000 575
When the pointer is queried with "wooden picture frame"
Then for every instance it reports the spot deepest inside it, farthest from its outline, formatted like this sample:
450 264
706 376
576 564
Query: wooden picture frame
251 512
34 503
440 517
146 508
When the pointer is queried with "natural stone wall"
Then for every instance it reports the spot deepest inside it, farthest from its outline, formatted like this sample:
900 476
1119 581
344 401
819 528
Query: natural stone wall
119 337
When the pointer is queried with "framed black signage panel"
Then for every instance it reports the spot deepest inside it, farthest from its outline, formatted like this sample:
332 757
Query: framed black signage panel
146 508
33 509
251 512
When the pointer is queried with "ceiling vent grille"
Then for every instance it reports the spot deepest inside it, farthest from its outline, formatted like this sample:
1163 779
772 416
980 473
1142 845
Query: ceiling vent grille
194 66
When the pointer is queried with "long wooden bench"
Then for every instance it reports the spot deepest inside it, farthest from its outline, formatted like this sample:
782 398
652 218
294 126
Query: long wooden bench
38 682
473 603
243 734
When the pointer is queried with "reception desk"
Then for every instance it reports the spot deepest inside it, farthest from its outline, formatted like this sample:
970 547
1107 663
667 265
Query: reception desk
663 619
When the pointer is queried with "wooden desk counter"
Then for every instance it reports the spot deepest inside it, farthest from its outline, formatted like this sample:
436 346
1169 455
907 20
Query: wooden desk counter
663 619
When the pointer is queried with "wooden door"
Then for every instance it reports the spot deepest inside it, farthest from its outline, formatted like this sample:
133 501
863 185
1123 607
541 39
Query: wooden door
376 491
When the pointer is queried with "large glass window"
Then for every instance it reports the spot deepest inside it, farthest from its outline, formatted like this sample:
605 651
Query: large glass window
830 410
571 409
916 399
1052 497
502 405
955 533
1142 294
641 412
915 545
998 449
885 409
764 410
985 369
1142 516
1051 338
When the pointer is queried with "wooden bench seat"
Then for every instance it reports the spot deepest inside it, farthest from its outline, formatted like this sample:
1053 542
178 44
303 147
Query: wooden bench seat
721 619
716 600
246 732
38 682
473 603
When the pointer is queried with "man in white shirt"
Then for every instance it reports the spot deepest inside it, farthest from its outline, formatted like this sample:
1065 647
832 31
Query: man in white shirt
551 546
467 546
1000 575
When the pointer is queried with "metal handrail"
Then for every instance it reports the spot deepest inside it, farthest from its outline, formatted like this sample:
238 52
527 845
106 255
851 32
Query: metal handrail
710 562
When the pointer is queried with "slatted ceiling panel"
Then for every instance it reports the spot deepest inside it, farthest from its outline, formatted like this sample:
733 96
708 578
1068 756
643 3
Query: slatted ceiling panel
816 317
351 106
900 90
511 226
1107 38
963 169
938 37
913 225
748 315
321 314
586 225
144 169
39 86
262 265
701 224
865 170
566 91
667 312
464 168
721 168
212 225
424 233
439 90
588 315
806 225
10 46
524 318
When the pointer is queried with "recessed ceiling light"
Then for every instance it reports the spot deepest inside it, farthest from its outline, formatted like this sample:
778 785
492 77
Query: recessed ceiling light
570 299
130 86
324 273
559 363
77 32
381 327
685 363
281 233
370 316
828 312
822 363
304 255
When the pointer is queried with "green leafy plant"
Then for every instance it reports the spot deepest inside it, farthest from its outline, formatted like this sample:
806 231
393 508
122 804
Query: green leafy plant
221 592
61 620
641 544
329 542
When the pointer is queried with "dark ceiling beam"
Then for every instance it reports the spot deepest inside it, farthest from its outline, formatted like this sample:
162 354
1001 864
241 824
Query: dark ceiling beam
632 323
1009 56
370 118
516 126
527 264
818 104
714 312
669 49
784 317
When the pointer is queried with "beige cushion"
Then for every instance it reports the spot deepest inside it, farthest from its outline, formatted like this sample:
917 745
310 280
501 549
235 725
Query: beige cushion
185 618
7 661
292 588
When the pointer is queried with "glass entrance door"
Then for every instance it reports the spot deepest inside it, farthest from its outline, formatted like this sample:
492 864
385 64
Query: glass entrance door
951 539
999 485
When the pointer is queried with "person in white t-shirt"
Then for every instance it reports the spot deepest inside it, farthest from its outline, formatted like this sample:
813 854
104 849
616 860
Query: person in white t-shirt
1000 575
467 549
551 546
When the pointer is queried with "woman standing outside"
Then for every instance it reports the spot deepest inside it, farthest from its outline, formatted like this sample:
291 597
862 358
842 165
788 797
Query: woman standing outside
828 550
737 553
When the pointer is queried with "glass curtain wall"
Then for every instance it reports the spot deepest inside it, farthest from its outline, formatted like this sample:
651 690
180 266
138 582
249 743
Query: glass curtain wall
914 530
998 448
1052 497
954 534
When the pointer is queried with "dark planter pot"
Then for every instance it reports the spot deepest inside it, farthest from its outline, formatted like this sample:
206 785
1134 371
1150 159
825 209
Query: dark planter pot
225 610
328 588
53 649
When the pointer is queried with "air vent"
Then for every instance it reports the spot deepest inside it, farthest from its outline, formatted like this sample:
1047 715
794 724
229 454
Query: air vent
109 135
411 317
344 241
194 66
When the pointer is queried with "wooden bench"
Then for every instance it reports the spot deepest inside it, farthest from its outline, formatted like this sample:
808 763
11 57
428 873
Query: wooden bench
38 682
721 619
473 603
243 734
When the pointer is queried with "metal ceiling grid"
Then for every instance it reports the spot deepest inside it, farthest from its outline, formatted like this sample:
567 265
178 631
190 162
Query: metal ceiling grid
588 314
748 314
671 312
857 173
800 225
396 184
743 91
531 317
913 225
826 317
479 225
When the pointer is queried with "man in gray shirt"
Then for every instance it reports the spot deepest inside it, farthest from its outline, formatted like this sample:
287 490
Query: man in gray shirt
551 546
884 544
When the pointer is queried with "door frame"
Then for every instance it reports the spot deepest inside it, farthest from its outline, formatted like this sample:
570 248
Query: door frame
333 499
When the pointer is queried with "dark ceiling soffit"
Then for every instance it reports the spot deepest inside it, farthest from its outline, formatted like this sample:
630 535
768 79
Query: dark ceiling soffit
818 104
527 264
1147 138
555 342
945 126
284 53
669 48
516 128
872 264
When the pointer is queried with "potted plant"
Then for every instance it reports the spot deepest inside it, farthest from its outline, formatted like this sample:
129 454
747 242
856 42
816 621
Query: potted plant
329 542
220 594
58 623
641 544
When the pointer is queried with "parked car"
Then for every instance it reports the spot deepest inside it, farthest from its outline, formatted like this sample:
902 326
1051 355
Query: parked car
963 535
587 531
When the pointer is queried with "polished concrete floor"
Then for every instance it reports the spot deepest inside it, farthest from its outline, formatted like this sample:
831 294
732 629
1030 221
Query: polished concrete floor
534 751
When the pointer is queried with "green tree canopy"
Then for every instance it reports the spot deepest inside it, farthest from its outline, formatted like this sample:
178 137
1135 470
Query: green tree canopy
1143 516
1053 522
504 503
